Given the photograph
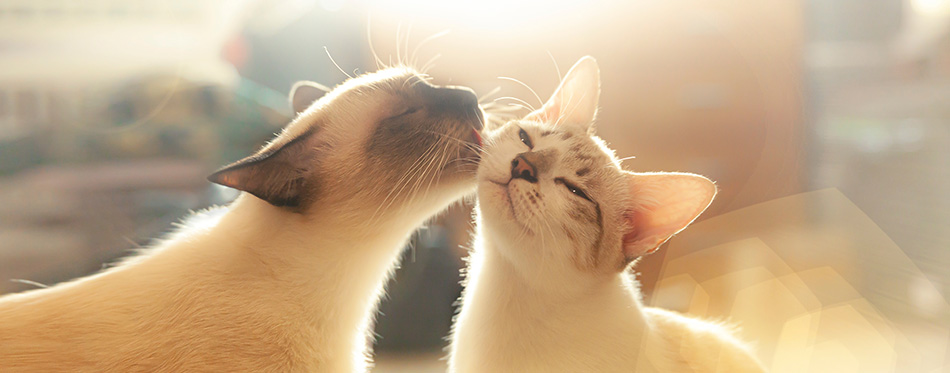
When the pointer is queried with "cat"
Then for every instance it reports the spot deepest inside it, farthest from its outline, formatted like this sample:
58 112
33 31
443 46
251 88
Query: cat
558 225
287 277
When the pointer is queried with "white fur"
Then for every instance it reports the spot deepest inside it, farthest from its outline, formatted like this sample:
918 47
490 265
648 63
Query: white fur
547 289
508 324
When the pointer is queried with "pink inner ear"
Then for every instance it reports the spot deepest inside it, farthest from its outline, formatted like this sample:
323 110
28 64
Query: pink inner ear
576 98
644 238
663 205
546 114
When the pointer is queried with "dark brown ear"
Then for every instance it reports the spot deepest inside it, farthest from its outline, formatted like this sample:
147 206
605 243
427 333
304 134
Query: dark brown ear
278 174
305 93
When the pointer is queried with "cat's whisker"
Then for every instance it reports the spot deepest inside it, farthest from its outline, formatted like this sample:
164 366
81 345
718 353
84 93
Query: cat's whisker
526 86
463 145
572 109
29 282
335 64
408 60
398 39
471 163
520 106
418 179
430 63
422 43
444 135
467 145
490 93
495 117
369 40
446 154
518 100
466 160
496 108
431 175
417 82
478 115
399 183
425 173
556 68
423 163
458 156
620 161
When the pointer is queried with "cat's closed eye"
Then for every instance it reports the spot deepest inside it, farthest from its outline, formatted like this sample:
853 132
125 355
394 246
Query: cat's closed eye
573 189
525 138
408 110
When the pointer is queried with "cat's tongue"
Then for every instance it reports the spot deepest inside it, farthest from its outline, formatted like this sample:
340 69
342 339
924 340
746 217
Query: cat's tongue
477 137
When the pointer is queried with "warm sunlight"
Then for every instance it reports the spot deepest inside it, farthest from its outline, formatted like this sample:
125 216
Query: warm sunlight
490 15
231 185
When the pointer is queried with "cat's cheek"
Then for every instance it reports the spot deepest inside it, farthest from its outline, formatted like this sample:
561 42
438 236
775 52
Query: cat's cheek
493 200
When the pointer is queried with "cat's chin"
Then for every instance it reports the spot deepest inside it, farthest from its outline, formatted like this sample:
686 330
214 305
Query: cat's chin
469 156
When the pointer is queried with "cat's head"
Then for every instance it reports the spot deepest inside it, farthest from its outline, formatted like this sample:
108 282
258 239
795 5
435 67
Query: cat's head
381 142
556 199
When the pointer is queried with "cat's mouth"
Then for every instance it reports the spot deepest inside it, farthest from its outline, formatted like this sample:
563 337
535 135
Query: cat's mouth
476 138
506 200
499 183
472 145
513 212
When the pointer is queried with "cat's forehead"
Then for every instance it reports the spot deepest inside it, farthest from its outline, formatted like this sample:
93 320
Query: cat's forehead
384 81
373 93
577 147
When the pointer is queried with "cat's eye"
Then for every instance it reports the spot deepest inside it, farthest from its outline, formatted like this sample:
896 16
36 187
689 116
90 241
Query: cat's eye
525 138
574 189
409 110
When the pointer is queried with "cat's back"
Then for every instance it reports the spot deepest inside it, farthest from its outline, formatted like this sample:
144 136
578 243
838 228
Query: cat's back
693 345
94 325
147 315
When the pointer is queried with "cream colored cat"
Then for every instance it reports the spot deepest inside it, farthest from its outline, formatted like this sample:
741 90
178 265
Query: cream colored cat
559 223
287 277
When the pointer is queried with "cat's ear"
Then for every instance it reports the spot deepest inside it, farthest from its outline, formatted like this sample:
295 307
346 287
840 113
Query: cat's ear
575 101
305 93
278 174
662 204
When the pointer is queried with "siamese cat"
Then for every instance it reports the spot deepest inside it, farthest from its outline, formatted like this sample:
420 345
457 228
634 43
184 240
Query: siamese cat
287 277
559 224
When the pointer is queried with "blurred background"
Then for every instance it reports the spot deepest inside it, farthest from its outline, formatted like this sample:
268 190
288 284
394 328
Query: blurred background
825 123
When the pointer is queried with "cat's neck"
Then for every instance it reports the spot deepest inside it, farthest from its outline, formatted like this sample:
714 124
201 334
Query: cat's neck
595 295
505 314
322 251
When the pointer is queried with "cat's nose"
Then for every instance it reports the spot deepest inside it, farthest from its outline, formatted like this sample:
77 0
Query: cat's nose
522 169
462 101
463 95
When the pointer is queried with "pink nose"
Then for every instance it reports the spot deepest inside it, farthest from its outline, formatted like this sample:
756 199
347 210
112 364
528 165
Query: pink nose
522 169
